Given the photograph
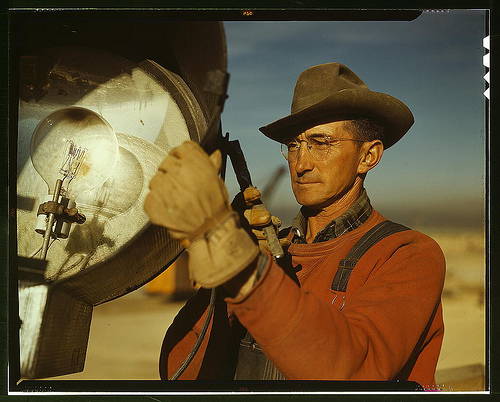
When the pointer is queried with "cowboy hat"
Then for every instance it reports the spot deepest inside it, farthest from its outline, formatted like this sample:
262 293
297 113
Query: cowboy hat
330 92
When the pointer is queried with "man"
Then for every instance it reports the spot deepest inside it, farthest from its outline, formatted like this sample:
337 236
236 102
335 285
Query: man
332 308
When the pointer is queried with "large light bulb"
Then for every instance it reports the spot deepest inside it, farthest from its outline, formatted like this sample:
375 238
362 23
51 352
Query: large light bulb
74 145
74 150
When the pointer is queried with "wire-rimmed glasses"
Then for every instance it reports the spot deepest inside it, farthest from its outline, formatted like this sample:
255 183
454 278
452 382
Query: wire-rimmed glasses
318 146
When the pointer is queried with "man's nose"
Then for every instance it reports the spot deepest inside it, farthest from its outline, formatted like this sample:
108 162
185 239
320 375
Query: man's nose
304 161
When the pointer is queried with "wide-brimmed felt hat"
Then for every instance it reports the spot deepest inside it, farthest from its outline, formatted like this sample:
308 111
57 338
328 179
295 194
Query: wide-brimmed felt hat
332 91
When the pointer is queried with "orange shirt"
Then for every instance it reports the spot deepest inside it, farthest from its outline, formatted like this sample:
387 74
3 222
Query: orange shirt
387 325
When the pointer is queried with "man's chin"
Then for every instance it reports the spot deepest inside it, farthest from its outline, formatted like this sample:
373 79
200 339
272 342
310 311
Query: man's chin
313 202
310 203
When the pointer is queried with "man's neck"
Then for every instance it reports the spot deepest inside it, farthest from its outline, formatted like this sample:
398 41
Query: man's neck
317 219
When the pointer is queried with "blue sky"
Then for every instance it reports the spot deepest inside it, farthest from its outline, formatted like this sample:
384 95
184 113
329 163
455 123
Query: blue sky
433 64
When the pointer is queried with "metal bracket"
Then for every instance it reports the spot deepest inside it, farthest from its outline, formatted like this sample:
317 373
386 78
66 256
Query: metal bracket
61 212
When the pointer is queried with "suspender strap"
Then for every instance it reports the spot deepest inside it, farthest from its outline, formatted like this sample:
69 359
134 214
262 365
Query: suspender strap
373 236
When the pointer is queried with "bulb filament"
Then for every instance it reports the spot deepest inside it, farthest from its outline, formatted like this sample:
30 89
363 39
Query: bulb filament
74 157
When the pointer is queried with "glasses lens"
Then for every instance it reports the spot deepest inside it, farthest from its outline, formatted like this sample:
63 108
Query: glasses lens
318 146
290 148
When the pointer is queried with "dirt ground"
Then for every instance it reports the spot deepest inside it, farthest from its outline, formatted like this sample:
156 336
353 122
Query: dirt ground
461 365
126 334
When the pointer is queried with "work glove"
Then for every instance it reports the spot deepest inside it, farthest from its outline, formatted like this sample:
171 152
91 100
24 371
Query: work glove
249 204
188 197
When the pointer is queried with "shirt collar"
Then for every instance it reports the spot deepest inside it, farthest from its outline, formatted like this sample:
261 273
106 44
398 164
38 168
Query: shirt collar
354 217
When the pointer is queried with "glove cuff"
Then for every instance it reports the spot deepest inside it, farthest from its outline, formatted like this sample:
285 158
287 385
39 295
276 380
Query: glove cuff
222 253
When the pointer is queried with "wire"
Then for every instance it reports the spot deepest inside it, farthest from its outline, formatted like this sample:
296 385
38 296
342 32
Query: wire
32 255
197 345
35 252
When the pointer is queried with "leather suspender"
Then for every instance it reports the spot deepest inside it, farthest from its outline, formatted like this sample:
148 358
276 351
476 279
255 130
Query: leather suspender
373 236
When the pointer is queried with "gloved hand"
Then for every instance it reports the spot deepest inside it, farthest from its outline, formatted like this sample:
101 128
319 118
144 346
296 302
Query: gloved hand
249 204
190 199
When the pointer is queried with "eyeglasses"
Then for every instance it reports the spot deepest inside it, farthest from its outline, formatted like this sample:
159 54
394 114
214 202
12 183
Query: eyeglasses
318 146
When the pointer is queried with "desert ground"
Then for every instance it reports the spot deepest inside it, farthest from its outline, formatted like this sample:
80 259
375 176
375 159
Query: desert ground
126 333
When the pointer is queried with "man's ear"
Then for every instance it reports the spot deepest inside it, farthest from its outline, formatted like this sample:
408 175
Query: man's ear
371 153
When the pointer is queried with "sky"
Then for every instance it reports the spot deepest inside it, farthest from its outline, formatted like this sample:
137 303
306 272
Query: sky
436 174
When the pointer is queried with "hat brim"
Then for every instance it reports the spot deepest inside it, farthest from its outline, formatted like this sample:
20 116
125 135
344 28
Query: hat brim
393 114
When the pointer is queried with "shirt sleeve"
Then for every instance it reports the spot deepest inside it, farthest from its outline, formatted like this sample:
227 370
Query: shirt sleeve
372 338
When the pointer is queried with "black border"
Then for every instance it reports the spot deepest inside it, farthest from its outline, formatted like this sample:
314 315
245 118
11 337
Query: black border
225 10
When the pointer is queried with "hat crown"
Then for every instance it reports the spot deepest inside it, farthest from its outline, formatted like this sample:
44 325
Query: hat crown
331 92
319 82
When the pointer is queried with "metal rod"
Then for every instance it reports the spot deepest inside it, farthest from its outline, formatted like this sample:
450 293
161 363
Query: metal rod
50 222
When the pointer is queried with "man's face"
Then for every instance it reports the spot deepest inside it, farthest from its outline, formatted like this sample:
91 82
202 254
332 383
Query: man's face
320 183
